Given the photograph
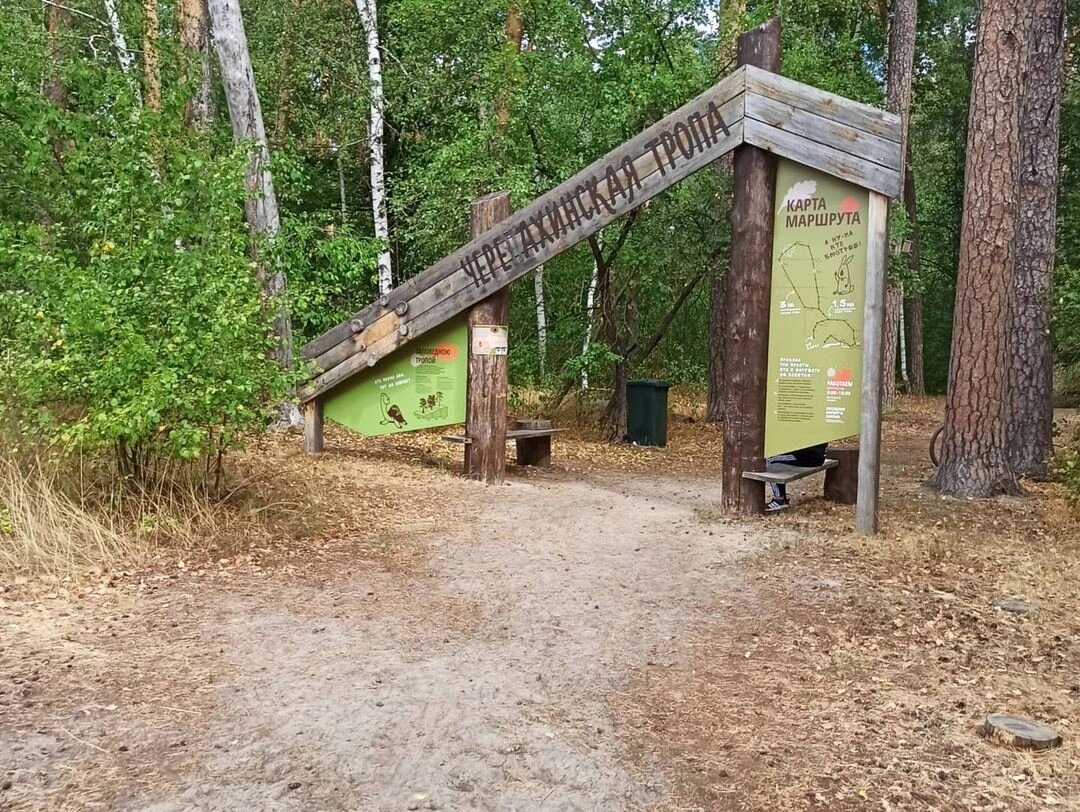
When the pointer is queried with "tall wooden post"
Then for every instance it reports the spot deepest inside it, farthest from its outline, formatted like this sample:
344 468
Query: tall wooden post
866 508
747 297
485 399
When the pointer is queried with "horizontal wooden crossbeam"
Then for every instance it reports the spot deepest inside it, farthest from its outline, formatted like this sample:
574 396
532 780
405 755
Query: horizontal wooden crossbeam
858 143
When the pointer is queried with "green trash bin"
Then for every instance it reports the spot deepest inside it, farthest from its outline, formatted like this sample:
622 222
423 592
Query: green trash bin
646 412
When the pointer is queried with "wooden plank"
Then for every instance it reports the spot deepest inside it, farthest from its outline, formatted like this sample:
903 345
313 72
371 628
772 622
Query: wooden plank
866 509
488 381
313 426
828 159
452 295
823 130
600 182
782 473
747 301
837 108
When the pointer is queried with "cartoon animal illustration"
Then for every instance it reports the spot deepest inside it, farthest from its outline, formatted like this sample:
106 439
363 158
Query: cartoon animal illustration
391 413
844 285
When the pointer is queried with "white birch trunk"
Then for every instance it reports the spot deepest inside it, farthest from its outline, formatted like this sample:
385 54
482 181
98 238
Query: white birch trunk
903 345
541 318
123 55
341 190
245 114
590 305
369 19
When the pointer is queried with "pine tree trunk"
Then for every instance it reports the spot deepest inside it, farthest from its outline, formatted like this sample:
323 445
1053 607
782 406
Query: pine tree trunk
151 61
194 23
897 99
370 22
917 382
729 16
123 55
245 113
891 340
974 460
1030 414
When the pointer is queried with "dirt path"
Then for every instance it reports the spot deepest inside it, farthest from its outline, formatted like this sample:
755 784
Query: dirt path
484 680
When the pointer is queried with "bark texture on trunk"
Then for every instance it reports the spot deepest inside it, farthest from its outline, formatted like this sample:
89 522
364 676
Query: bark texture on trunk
897 99
729 15
541 319
245 114
57 25
151 60
891 337
1030 415
123 55
917 380
194 23
974 459
370 21
590 306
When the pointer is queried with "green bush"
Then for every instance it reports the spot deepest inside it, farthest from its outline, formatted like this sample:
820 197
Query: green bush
130 317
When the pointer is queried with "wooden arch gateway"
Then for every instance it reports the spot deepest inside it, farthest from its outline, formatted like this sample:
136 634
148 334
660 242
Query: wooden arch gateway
844 139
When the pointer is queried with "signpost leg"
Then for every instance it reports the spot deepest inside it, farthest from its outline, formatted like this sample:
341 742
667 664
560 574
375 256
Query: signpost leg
866 509
313 426
746 305
485 399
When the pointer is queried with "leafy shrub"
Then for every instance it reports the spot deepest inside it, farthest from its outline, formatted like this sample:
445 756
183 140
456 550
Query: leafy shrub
130 316
1067 468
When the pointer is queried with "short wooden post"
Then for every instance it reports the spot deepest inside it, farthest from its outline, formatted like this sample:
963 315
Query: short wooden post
842 482
485 398
313 426
747 300
866 511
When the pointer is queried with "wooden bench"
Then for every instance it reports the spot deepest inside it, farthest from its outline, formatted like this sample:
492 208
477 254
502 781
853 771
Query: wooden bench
533 445
841 474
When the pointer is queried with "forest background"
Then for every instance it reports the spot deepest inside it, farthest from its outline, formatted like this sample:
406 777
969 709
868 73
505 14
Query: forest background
132 309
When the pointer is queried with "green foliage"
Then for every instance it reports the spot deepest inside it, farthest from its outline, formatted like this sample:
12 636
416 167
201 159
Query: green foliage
1067 470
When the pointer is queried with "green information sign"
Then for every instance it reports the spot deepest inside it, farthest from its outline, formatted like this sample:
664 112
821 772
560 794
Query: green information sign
420 386
816 318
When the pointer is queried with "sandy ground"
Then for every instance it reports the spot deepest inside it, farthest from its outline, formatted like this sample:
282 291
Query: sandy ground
484 679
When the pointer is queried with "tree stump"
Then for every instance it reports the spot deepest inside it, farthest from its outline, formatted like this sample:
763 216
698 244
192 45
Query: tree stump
842 482
1016 731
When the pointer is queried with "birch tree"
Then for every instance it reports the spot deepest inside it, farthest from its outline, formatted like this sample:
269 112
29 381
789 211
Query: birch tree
123 55
245 114
369 20
194 24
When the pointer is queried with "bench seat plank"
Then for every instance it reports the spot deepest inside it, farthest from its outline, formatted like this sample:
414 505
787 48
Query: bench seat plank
782 473
516 434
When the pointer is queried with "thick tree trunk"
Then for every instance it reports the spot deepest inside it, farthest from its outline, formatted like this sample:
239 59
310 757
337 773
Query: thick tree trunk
151 61
898 100
369 19
728 14
194 23
891 336
123 55
917 381
1030 413
974 459
245 113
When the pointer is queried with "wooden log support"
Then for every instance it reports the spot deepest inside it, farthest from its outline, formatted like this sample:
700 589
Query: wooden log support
842 482
866 511
313 426
535 451
485 398
746 305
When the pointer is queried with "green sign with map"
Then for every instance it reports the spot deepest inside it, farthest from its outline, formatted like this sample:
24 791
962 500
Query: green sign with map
420 386
816 317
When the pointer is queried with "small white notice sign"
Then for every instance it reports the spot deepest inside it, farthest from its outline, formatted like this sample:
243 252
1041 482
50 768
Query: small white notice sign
490 339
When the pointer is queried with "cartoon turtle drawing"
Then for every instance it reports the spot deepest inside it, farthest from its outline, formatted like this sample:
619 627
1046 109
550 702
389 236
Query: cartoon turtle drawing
391 413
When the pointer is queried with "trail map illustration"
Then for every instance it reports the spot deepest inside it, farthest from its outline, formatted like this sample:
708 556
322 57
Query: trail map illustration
816 319
421 386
